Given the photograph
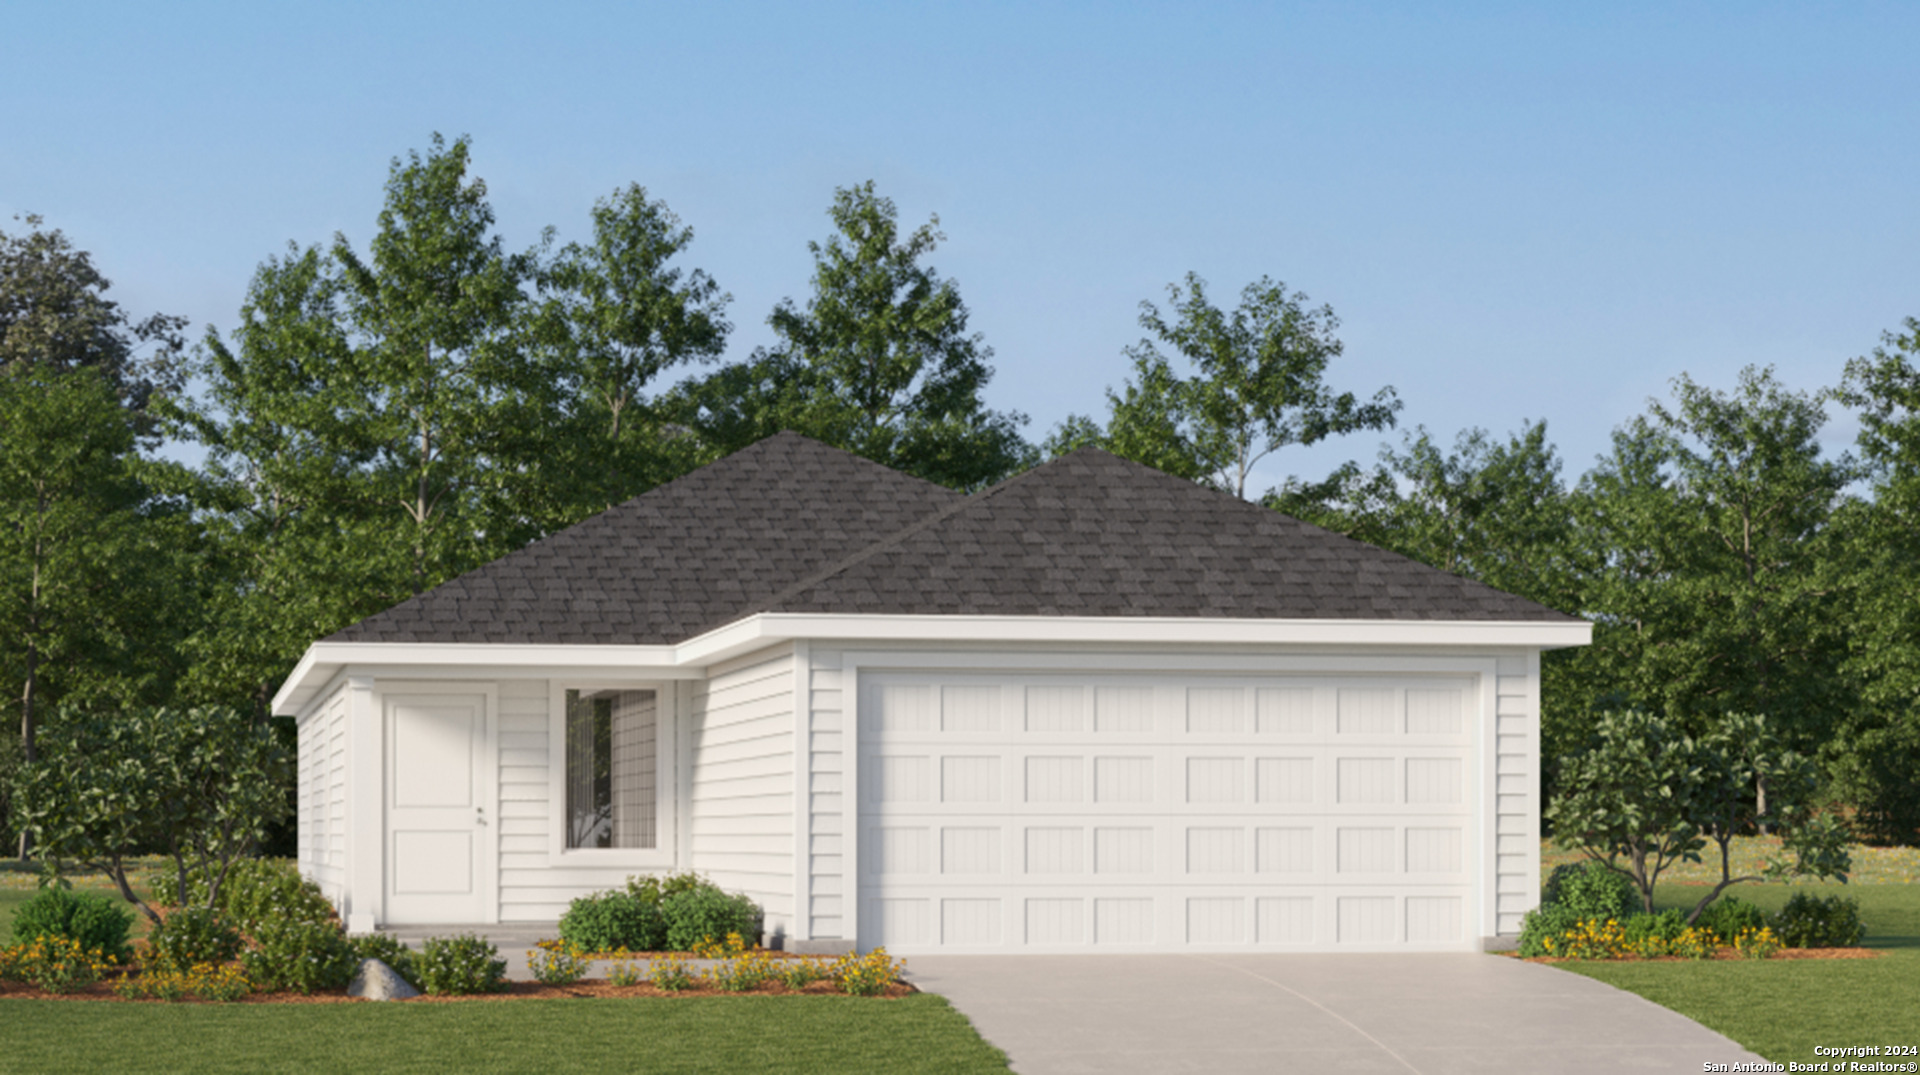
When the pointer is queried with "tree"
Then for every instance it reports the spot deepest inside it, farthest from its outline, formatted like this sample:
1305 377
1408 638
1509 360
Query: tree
1706 552
1258 386
1871 758
1645 795
879 362
200 785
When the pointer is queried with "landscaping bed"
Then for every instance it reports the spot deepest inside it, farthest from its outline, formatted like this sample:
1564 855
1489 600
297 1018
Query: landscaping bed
104 991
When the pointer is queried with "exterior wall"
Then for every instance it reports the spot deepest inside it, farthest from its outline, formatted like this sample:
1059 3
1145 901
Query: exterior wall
1517 790
740 781
829 892
322 819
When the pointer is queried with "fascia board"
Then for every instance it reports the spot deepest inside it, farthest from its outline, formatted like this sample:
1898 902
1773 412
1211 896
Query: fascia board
323 659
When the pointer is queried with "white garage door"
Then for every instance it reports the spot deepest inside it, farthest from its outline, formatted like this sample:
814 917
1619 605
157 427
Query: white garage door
1005 813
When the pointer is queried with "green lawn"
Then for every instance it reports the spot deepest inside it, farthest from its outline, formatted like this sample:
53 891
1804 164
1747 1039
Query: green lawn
698 1034
1781 1009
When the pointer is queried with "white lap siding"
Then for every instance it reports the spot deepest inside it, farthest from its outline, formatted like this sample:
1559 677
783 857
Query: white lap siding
826 865
740 781
322 819
1517 790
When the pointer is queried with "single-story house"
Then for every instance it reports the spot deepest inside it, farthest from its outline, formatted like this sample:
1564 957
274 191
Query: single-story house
1092 708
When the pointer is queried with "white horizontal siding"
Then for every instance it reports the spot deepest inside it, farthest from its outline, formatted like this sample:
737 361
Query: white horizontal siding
1517 790
740 786
826 867
322 820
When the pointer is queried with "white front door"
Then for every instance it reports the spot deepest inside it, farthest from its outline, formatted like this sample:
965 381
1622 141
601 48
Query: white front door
439 856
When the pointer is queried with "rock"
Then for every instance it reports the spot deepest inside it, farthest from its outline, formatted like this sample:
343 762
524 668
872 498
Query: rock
377 981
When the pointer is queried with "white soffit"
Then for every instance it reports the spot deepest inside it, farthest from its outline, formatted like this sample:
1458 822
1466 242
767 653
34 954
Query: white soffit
324 660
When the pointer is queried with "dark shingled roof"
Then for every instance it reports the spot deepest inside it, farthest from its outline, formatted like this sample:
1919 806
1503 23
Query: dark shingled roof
1091 534
791 525
693 554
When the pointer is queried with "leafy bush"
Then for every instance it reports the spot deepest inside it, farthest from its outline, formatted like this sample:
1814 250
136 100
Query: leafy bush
93 921
298 956
1651 935
1726 917
1831 922
706 914
1591 891
611 921
561 963
654 889
387 949
1542 924
456 966
191 935
257 891
868 975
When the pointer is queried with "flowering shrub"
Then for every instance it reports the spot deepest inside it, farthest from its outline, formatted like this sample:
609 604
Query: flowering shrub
1651 936
226 982
1591 939
868 975
55 964
259 891
1756 943
300 956
1694 943
742 972
91 920
1806 922
802 972
191 935
625 972
455 966
702 914
386 948
557 964
671 973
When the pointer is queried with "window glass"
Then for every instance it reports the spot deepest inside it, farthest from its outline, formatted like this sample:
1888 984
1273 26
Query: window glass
612 768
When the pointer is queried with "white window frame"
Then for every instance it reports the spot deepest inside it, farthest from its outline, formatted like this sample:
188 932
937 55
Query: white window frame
666 782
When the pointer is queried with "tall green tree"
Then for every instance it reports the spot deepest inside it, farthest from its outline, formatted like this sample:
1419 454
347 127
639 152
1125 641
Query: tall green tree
1871 758
1706 548
878 362
1258 386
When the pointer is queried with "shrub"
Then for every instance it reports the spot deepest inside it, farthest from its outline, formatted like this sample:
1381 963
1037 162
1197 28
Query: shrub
743 971
706 913
1726 917
258 891
57 964
868 975
189 936
387 949
1806 922
1756 943
456 966
298 956
206 981
1591 891
612 921
92 921
626 972
1543 923
1651 935
802 972
655 889
561 963
671 973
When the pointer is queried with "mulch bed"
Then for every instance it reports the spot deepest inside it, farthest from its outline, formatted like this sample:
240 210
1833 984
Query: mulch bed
1728 953
103 991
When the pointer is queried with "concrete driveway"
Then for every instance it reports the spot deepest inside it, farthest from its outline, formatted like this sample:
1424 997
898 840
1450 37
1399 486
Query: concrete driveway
1311 1013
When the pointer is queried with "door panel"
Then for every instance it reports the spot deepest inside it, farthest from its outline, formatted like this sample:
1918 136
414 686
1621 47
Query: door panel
438 820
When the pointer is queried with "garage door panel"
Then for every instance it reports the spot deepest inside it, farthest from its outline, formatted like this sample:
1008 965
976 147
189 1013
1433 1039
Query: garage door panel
1159 814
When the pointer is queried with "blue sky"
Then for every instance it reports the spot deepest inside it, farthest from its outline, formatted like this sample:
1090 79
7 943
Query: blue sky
1516 210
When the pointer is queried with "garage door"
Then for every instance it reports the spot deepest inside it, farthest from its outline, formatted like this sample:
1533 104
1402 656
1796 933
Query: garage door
1150 813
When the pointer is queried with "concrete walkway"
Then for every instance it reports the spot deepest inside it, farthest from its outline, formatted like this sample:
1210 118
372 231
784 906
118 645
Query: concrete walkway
1321 1013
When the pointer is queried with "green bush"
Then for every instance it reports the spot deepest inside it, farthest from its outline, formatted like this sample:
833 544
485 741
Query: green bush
609 921
1664 927
291 955
456 966
257 891
387 949
189 936
708 914
1544 923
1832 922
1727 916
655 889
98 923
1591 891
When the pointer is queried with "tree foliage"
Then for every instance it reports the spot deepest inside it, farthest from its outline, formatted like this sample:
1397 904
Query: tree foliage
1259 385
200 785
878 361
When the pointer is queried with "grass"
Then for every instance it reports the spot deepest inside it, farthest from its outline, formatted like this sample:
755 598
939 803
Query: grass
724 1034
1781 1009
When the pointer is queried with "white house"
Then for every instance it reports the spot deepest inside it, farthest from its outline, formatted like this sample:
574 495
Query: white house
1093 708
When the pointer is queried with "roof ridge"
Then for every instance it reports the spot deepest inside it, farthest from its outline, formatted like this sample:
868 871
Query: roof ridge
898 537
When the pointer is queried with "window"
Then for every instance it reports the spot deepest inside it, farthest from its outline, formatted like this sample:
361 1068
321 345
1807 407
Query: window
613 769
